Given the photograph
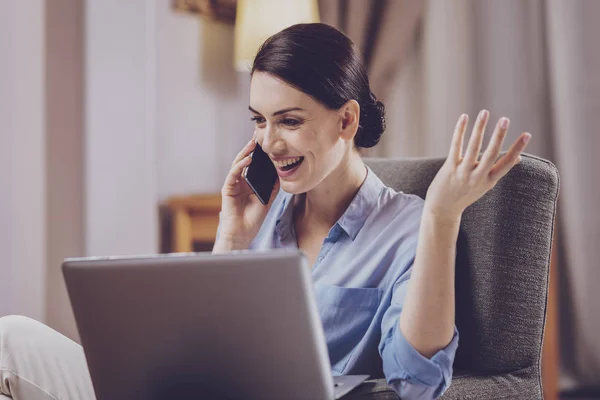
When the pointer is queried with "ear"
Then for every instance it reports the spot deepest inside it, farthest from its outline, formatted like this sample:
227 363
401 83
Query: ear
349 114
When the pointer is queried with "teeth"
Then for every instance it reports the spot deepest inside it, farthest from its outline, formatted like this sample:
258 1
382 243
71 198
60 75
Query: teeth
283 163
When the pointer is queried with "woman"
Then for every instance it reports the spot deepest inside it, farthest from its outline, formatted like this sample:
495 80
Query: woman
382 262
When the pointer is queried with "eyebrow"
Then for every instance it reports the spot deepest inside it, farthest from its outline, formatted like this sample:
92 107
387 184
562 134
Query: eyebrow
283 111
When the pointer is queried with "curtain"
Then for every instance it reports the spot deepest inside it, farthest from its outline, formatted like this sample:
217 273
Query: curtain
537 62
574 59
383 31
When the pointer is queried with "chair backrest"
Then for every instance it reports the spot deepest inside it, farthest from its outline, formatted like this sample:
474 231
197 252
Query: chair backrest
502 264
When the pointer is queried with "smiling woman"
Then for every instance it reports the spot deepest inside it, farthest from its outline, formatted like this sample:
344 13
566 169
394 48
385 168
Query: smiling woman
313 110
382 261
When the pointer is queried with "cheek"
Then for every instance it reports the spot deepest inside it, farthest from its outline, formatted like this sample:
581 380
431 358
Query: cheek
317 143
321 140
328 150
304 140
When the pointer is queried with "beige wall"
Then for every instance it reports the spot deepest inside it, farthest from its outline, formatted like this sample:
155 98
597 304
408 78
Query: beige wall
41 155
22 158
120 130
97 126
202 118
64 153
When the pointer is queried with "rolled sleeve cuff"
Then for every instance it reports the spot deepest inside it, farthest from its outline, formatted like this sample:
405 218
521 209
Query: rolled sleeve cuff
406 360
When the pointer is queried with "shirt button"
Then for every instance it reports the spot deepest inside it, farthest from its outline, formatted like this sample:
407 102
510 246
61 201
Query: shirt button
320 259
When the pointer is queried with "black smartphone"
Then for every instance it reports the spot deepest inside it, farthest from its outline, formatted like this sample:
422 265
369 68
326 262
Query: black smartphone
261 174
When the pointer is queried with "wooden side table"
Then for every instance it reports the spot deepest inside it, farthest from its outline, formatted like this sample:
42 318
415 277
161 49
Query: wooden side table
194 219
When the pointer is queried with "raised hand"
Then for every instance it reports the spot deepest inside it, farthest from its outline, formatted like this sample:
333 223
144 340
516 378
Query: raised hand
462 180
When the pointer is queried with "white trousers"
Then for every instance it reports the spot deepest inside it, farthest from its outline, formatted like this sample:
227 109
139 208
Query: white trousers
38 363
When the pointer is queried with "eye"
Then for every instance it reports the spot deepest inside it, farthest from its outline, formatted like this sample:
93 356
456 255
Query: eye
290 122
258 120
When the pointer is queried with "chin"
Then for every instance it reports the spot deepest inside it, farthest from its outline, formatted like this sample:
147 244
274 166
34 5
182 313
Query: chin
292 187
303 182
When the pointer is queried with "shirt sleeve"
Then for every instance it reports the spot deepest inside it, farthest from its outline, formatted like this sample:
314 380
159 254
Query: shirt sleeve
410 374
251 246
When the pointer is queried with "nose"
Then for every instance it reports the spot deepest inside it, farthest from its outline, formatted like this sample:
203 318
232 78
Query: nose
272 143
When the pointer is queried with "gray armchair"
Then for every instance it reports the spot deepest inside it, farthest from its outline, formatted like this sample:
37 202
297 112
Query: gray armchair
502 265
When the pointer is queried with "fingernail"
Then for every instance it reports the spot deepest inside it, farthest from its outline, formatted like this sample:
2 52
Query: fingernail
463 118
483 114
526 138
504 123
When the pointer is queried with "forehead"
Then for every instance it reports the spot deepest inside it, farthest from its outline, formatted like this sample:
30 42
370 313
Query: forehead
269 94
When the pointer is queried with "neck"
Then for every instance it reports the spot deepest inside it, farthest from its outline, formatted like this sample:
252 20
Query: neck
325 204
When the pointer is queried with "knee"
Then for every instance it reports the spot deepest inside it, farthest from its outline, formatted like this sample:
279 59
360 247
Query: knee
12 322
14 327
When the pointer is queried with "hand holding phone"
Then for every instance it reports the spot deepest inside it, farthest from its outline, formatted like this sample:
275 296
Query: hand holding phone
242 210
261 175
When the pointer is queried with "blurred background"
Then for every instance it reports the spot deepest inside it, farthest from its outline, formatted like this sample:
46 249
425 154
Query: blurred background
119 121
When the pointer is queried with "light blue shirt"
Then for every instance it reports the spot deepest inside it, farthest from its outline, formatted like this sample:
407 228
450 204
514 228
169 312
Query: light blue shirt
360 277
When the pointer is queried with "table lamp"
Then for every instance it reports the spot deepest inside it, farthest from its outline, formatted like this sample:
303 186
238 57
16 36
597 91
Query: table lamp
256 20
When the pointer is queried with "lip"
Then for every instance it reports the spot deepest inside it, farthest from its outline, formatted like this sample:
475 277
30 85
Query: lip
287 174
283 158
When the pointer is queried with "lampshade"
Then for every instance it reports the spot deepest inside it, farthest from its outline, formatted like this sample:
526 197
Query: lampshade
256 20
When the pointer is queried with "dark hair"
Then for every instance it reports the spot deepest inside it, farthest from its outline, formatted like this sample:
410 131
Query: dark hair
322 62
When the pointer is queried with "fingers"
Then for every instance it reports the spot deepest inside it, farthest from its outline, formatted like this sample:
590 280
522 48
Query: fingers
511 158
241 161
476 139
248 148
457 138
495 145
235 173
501 168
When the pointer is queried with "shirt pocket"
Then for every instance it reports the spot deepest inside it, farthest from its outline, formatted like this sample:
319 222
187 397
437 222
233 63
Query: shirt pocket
346 314
345 297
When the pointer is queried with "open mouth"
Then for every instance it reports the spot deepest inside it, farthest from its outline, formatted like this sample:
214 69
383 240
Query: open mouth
291 166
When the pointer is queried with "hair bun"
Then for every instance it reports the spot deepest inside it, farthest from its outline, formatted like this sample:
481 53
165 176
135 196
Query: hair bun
372 123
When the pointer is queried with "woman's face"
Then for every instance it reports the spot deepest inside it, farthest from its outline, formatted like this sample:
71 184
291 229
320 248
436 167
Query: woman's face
300 135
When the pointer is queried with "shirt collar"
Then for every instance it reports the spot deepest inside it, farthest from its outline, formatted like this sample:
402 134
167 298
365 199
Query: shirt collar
284 223
353 219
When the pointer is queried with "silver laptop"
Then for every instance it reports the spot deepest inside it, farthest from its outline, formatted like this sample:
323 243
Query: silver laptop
242 325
